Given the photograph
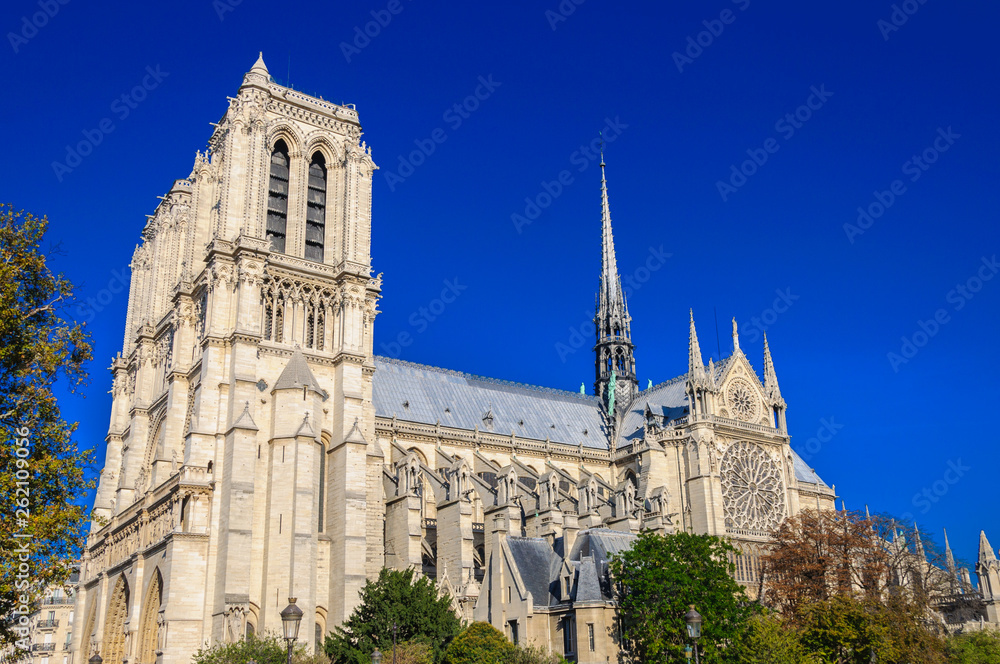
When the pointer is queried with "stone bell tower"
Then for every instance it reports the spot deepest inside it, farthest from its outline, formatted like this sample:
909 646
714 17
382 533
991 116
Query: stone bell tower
241 446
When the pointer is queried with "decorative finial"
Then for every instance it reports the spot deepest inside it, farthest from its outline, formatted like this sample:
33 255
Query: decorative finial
736 337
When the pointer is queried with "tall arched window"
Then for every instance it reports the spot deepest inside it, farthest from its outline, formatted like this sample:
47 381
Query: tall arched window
316 209
277 197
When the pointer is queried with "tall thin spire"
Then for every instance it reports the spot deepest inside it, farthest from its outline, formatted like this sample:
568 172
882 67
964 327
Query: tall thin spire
949 557
985 550
614 349
695 363
771 388
918 544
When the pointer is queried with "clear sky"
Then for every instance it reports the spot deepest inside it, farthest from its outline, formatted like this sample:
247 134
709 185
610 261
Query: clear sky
824 107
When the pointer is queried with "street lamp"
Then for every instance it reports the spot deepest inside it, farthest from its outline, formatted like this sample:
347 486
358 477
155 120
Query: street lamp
291 618
395 631
377 657
693 620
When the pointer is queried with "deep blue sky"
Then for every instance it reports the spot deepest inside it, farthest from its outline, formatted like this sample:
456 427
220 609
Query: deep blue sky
451 219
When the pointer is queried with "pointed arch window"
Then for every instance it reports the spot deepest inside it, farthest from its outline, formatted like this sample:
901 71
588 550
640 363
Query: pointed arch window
277 197
316 209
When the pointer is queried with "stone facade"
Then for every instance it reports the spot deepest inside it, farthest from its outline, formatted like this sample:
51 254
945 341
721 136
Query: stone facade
258 449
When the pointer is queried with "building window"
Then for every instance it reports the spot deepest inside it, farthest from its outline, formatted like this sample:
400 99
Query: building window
569 635
590 636
316 209
513 632
277 197
319 637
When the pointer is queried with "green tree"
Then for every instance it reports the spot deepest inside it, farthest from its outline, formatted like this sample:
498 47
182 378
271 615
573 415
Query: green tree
398 598
658 578
846 630
480 643
41 467
770 640
981 647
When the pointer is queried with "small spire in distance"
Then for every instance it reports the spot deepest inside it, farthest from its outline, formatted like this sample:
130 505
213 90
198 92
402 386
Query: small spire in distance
985 550
771 388
949 556
695 363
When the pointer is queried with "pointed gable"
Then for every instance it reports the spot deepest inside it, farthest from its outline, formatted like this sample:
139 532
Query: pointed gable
297 375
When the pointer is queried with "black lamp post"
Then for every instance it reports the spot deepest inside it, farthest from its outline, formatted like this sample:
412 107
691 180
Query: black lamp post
291 618
693 620
395 631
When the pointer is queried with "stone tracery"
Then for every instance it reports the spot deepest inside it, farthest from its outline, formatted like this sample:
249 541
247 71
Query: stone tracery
753 493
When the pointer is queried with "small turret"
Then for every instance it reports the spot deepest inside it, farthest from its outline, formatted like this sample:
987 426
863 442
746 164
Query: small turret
772 391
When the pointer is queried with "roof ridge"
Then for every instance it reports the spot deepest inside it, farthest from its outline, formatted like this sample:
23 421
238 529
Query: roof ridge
487 379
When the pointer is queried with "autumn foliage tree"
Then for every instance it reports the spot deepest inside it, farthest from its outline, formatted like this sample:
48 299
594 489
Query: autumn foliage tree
41 467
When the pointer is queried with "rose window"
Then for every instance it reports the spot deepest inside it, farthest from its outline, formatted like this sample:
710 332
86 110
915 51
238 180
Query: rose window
753 495
742 400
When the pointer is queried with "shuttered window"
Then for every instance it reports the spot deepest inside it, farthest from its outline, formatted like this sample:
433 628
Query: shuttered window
277 197
316 209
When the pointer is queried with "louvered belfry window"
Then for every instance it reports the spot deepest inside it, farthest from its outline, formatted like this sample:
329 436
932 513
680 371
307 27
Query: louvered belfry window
277 197
316 209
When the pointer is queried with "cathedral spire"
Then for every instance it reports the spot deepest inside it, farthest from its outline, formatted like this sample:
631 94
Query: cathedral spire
918 544
695 364
614 347
770 378
985 550
949 557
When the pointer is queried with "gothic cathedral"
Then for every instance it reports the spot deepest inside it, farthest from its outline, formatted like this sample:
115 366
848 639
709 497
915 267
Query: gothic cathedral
259 450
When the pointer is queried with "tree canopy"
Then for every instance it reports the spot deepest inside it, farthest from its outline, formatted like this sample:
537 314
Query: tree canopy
42 469
400 598
656 581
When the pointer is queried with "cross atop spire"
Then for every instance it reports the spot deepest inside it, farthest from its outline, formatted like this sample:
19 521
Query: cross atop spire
614 325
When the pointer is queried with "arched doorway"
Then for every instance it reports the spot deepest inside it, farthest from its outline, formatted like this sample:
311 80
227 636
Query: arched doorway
114 626
148 625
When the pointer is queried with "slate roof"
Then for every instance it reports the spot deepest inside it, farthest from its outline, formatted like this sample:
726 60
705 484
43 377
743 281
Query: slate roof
420 393
296 374
428 395
538 565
